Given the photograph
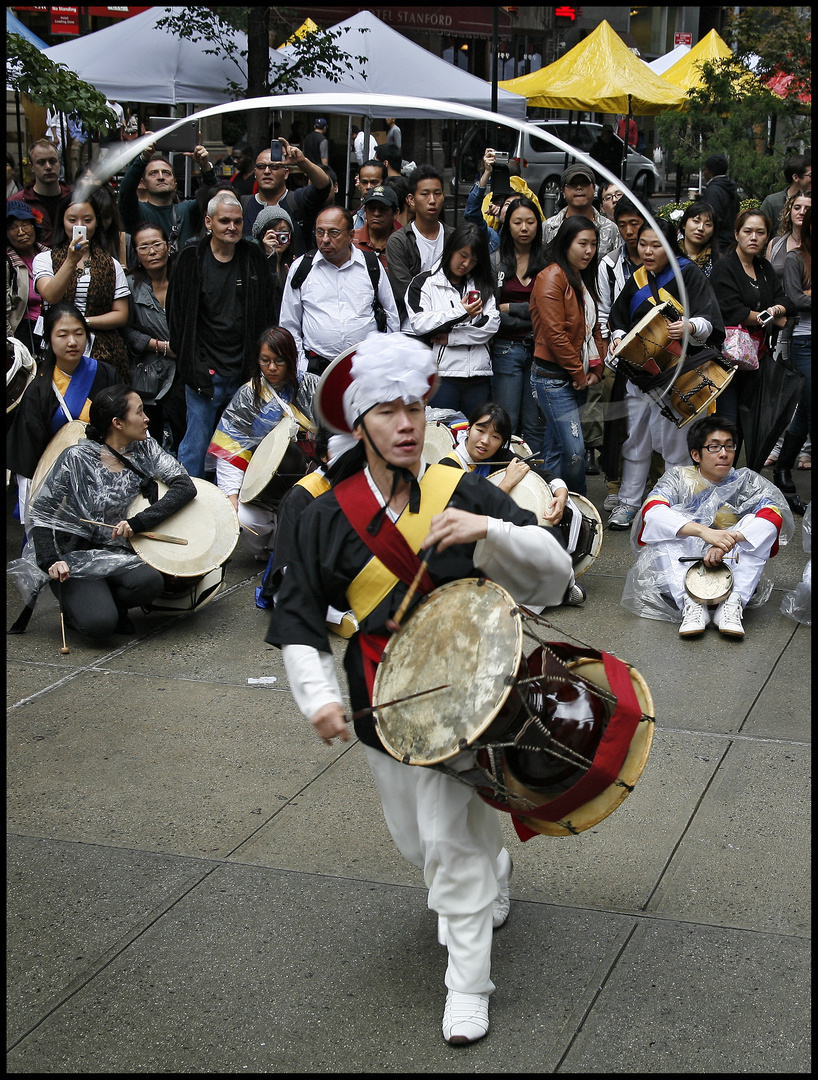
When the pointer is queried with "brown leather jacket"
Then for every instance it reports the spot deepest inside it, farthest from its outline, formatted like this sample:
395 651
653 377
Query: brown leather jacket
558 322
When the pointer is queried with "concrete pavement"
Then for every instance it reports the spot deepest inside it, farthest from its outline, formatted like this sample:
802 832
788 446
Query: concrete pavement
197 884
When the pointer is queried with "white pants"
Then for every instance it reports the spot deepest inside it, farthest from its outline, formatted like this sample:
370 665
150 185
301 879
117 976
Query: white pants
648 430
746 572
443 826
261 521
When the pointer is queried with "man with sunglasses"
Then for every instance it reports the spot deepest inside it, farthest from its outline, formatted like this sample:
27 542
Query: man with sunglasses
577 186
709 510
303 204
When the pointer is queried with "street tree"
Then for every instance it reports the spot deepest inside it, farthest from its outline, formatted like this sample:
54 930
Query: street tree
315 53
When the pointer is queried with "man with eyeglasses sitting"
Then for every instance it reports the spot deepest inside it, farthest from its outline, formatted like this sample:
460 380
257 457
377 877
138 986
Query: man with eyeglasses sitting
713 512
302 205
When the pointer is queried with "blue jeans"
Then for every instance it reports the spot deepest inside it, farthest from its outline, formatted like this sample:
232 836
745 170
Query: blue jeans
462 395
511 388
203 415
565 453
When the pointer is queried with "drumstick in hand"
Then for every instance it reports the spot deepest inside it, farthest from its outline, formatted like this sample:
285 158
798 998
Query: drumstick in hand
151 535
394 623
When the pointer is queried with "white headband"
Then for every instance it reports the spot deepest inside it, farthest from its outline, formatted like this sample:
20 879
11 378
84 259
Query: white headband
386 367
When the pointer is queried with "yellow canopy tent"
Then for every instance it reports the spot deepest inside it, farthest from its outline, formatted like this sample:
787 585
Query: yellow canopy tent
687 72
307 27
600 74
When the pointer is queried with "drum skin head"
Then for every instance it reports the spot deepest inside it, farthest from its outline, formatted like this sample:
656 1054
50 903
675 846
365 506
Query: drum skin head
209 524
266 459
439 442
708 584
647 341
519 447
591 813
532 493
68 435
467 634
700 386
588 510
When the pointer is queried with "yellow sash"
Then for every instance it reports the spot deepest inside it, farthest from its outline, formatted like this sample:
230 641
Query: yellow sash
640 277
375 581
303 420
455 457
315 483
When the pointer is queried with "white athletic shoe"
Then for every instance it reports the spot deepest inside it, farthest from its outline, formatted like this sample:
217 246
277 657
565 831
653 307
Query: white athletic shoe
695 618
728 616
611 502
622 516
465 1018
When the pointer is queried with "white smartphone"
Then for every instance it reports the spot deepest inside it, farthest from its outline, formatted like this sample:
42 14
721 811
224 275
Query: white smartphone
79 232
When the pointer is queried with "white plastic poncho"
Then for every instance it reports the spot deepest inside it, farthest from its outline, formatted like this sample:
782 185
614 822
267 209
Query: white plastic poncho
87 481
741 494
797 603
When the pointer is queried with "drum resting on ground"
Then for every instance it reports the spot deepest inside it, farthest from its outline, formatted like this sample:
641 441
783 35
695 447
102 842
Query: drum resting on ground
558 737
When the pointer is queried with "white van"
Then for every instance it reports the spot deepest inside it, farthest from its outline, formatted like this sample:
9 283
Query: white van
540 162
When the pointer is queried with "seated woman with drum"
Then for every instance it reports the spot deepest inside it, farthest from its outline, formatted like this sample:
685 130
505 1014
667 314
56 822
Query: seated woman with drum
698 519
647 323
78 521
265 439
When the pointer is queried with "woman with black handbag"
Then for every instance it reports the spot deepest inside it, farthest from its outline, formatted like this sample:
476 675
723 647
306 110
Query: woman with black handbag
153 362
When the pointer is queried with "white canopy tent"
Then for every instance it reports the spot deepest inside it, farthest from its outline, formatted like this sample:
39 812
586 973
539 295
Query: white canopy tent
395 65
136 60
663 63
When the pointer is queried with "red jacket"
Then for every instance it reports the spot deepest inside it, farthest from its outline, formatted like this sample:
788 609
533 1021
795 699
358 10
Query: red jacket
30 196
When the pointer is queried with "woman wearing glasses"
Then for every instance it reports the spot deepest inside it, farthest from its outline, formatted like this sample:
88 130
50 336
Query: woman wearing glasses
274 393
710 511
153 362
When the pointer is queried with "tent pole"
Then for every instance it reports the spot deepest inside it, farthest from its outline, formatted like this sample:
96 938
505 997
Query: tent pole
19 138
349 148
625 143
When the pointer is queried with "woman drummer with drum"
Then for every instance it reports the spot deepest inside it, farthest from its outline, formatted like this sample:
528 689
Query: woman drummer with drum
78 524
652 285
704 536
273 395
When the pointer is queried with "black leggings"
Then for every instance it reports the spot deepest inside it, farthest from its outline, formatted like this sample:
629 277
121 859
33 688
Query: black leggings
93 606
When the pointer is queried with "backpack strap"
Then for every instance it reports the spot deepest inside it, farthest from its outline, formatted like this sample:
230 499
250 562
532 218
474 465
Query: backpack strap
304 267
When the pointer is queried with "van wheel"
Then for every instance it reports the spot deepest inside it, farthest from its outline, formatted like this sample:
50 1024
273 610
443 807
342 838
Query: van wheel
644 184
550 188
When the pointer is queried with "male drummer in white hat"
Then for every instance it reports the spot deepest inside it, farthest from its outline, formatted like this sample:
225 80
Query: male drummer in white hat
439 823
712 512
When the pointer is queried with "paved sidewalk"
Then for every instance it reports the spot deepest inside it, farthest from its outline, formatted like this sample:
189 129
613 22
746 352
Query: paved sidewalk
197 884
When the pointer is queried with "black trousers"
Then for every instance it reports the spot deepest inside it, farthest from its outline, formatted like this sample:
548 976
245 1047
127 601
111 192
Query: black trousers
93 606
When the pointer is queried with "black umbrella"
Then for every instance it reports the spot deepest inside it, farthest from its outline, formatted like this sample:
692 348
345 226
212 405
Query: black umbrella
767 400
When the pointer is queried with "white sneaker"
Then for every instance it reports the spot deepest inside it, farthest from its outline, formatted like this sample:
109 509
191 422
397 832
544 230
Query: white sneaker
465 1018
622 516
501 906
575 596
695 618
611 502
728 616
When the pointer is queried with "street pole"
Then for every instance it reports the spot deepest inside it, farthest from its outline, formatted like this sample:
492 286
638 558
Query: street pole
495 45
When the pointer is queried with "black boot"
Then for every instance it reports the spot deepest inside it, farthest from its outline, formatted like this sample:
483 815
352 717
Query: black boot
782 478
796 504
591 467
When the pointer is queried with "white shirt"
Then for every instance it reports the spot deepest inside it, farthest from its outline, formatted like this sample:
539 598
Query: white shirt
359 148
429 250
333 308
42 267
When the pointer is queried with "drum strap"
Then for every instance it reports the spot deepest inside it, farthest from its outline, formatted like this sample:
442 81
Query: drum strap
315 482
611 752
394 547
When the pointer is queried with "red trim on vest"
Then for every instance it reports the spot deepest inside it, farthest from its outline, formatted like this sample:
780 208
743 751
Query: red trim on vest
372 646
359 505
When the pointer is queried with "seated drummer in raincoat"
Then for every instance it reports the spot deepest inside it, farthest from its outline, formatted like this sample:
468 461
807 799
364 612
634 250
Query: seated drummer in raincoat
722 515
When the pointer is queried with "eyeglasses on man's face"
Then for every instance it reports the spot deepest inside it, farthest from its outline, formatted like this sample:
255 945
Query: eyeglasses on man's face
332 233
717 447
265 166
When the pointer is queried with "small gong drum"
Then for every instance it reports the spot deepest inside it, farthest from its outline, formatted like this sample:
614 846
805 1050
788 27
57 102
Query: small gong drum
708 584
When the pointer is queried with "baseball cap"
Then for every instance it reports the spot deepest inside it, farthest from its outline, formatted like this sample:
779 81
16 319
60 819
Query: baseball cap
576 170
320 122
383 194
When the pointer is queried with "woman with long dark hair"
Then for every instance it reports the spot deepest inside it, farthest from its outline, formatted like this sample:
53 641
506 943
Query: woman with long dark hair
66 383
699 235
83 273
452 307
273 393
517 261
568 345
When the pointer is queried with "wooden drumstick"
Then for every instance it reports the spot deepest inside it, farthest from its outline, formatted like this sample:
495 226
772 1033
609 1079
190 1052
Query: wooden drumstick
64 650
167 539
407 600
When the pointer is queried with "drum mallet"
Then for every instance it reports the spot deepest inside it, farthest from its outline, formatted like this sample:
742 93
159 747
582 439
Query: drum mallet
64 650
699 558
393 624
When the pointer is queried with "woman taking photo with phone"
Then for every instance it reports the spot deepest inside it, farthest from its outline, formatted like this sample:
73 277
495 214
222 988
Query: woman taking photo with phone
568 345
452 307
79 270
273 229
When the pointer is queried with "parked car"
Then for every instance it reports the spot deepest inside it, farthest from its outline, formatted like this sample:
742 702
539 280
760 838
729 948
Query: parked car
539 161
